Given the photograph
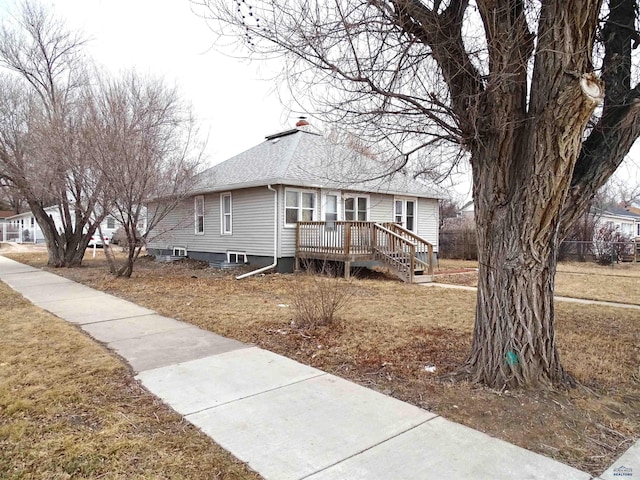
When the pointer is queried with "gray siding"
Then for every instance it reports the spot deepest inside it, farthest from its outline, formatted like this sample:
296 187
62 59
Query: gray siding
381 208
287 243
252 225
428 220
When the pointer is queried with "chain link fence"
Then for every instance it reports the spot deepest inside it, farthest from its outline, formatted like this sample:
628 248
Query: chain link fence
461 244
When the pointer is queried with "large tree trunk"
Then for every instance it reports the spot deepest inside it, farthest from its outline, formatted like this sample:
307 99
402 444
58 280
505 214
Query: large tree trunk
514 342
66 248
521 181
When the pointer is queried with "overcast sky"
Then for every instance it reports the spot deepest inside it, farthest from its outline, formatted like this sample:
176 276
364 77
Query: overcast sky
163 37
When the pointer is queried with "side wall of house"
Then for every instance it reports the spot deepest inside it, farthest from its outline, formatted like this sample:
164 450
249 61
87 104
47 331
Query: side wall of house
251 232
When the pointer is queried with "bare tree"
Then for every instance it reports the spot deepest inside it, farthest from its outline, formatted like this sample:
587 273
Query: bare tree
514 83
43 154
144 140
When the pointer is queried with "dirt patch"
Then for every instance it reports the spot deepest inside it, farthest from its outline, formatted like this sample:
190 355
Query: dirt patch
392 336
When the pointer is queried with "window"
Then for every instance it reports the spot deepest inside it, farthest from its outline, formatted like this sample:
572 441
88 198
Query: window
404 213
198 207
638 232
236 257
179 252
356 209
111 222
225 214
300 206
331 208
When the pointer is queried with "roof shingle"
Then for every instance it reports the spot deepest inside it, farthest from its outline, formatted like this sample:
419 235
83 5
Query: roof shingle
306 159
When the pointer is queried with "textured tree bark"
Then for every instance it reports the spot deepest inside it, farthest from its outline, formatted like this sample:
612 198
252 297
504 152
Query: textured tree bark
64 250
519 201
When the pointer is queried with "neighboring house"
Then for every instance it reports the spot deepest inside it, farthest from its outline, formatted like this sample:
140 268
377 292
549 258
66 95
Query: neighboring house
24 228
635 211
298 195
467 211
624 221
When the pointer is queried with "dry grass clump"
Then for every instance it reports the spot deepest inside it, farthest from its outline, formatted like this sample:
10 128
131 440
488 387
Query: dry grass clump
318 300
70 409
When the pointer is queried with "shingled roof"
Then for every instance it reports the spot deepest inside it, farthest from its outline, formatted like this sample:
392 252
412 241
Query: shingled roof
303 158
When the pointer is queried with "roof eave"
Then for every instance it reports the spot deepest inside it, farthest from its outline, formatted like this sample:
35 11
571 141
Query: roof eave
303 184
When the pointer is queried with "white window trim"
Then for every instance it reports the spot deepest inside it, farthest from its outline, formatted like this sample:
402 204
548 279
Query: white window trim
339 205
195 214
179 251
237 254
222 214
300 191
404 211
356 196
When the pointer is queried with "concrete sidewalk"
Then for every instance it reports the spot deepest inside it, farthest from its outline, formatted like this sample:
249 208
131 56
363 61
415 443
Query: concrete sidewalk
285 419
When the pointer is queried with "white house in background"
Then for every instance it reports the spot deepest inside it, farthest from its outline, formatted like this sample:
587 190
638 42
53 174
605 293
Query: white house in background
625 221
252 207
24 228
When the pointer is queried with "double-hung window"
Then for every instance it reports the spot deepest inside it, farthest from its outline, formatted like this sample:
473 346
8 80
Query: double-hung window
198 211
300 206
356 209
225 214
111 222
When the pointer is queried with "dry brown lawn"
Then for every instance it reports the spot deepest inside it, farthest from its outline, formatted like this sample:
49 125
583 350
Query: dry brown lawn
390 332
620 283
71 409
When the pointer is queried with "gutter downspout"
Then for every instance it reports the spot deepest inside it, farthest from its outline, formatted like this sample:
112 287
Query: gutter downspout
275 239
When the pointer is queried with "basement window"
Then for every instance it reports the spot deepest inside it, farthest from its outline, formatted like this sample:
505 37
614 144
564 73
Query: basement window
236 257
179 252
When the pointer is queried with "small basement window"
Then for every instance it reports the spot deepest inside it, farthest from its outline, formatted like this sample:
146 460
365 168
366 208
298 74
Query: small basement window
179 252
236 257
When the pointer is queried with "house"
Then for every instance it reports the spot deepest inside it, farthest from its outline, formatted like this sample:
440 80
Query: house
467 211
624 220
298 195
636 212
24 228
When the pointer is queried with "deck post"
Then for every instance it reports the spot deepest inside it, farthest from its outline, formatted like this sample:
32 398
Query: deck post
412 263
296 266
430 254
347 238
347 269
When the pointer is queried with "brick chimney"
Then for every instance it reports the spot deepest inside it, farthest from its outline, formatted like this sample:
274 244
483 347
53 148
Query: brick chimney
302 122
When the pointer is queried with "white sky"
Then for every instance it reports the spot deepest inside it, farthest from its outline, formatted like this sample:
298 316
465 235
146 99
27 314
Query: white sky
236 107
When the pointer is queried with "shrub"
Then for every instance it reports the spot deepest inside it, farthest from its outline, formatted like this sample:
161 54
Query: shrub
610 245
320 296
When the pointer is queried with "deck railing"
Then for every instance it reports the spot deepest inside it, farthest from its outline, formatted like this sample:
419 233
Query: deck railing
424 250
337 238
398 248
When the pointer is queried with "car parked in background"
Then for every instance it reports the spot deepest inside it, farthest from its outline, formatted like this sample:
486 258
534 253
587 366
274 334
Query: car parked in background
97 241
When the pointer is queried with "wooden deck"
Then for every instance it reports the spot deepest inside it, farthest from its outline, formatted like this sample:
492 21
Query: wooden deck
406 254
